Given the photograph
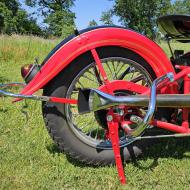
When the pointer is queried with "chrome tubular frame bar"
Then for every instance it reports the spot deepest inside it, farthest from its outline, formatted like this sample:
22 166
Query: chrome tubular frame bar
13 84
10 94
151 108
93 100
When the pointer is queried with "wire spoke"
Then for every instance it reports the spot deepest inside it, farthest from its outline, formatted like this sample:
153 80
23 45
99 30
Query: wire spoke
97 81
109 70
84 76
97 74
91 125
117 66
137 79
113 65
122 76
133 72
121 67
80 84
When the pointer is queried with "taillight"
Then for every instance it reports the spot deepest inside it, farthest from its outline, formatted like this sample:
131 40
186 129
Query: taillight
29 71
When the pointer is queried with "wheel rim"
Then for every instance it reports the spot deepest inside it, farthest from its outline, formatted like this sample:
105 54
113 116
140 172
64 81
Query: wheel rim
86 127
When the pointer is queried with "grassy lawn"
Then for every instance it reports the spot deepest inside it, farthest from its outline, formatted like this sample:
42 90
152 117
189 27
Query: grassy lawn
30 160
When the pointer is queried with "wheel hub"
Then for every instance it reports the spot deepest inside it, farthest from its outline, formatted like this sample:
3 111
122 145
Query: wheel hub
135 81
121 113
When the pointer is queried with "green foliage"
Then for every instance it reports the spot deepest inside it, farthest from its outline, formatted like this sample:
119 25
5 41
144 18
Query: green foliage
26 25
12 5
6 21
181 7
30 160
51 4
92 23
58 16
61 23
141 15
106 17
15 20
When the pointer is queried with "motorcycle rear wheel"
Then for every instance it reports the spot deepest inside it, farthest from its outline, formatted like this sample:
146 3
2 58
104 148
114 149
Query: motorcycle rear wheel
65 127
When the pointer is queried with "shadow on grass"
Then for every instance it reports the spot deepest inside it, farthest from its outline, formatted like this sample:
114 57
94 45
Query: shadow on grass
3 110
152 149
53 149
164 148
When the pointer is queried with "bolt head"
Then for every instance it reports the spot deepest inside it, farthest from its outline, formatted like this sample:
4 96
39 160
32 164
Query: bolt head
133 118
121 112
109 118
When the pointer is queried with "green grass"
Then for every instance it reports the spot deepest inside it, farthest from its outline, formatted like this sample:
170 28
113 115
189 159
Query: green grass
30 160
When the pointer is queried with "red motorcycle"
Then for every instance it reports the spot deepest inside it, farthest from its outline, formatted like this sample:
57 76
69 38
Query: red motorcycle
108 89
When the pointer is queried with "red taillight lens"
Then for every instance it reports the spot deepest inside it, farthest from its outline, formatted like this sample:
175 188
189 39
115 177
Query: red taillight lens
25 70
29 71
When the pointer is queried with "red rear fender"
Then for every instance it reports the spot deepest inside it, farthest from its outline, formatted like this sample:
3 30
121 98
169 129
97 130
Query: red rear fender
65 53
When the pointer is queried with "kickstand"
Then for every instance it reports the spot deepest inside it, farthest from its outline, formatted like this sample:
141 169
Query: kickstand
114 137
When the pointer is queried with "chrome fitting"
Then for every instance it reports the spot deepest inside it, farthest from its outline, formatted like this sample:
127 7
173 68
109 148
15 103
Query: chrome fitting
109 118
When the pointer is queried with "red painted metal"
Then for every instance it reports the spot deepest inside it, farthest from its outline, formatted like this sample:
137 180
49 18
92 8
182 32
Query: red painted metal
162 125
93 39
170 126
63 100
184 128
114 137
185 112
185 117
124 85
127 85
102 37
100 66
185 70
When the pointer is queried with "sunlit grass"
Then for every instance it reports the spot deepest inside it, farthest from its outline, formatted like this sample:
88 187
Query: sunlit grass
30 160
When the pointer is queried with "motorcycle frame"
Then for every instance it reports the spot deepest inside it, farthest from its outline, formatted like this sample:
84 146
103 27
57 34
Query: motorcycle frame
183 74
113 119
90 41
110 87
184 128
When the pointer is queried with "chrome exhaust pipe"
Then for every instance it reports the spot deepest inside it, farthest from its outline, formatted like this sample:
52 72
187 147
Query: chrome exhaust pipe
98 100
93 100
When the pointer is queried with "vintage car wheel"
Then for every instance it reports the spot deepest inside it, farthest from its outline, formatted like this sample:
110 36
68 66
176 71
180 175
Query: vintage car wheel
83 136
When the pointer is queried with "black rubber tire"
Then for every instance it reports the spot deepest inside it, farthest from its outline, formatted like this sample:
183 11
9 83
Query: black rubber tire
56 121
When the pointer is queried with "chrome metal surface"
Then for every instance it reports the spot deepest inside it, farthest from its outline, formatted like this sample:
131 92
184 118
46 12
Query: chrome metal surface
136 119
100 100
109 118
152 105
178 135
103 101
12 84
13 95
91 126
